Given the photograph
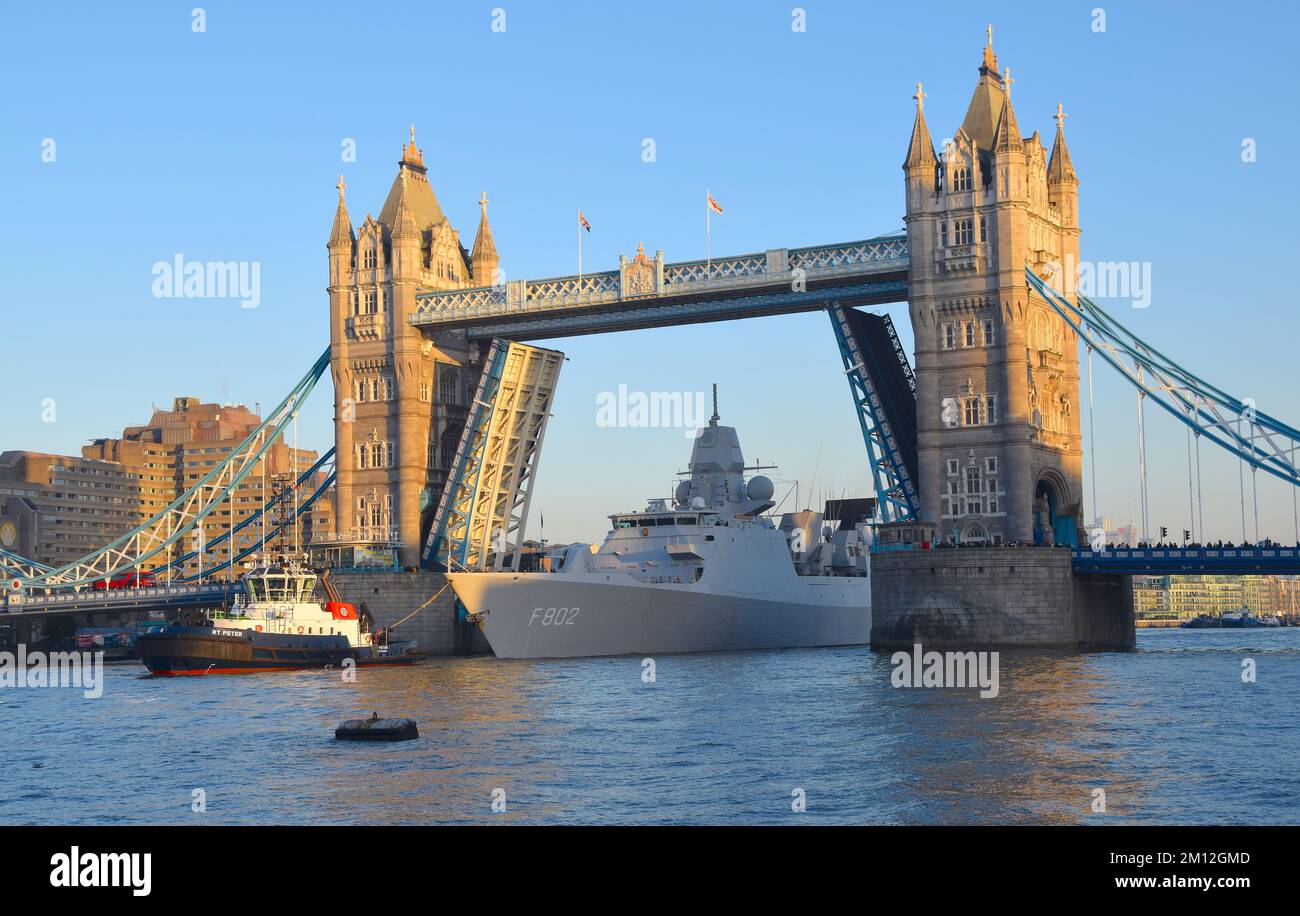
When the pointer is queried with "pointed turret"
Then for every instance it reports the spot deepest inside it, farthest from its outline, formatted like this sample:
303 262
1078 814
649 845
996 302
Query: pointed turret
1059 167
920 149
341 235
981 121
484 259
1007 136
412 186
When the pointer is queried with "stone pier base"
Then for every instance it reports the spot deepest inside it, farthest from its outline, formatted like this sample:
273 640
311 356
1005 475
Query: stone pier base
996 597
390 596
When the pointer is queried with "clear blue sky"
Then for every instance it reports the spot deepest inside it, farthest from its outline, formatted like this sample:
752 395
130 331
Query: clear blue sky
226 145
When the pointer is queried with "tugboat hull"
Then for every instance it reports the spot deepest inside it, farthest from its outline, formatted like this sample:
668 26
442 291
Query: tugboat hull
187 651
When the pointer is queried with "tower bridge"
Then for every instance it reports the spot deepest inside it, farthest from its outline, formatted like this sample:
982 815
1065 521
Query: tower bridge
442 392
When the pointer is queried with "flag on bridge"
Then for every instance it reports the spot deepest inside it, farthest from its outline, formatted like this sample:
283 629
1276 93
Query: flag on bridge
711 207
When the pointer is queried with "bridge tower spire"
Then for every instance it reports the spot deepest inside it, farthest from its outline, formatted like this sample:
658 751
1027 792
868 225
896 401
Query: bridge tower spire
484 260
997 374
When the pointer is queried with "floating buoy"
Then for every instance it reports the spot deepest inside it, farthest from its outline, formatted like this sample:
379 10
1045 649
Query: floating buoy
377 729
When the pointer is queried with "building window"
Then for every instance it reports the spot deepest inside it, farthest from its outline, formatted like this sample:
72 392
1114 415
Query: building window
368 303
374 389
943 234
425 390
965 234
988 333
949 336
447 385
973 490
972 411
990 465
984 229
952 467
961 179
970 333
368 258
991 409
389 387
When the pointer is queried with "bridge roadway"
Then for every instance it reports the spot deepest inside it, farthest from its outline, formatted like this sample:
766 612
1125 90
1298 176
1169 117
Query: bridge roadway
1182 561
646 292
160 597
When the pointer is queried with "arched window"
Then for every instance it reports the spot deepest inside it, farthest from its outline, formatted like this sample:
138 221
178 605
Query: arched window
447 386
368 258
961 179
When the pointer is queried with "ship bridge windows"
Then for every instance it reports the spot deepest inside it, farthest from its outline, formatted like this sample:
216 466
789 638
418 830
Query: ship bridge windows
687 520
624 523
665 520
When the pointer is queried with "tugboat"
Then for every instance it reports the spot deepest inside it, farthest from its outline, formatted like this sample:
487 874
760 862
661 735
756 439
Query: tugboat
274 624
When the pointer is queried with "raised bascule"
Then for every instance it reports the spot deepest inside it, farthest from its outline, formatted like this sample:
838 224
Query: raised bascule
442 392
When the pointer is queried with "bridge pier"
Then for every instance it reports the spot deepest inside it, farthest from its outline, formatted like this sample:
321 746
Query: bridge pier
995 598
391 596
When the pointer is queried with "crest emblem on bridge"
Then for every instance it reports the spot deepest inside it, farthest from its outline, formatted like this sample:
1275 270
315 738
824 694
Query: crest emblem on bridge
641 276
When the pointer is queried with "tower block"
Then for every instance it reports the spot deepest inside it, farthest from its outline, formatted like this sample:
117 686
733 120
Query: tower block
400 399
997 370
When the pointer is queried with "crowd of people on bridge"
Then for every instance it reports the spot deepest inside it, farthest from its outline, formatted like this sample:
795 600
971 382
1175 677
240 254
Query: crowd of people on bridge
1263 543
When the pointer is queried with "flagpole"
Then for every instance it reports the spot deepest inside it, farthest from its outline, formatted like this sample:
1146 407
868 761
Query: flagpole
708 236
579 245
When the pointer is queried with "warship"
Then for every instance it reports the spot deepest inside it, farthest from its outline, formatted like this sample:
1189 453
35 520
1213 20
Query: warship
704 571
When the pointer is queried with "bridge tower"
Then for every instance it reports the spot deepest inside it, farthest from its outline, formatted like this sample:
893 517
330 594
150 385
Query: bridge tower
400 398
997 371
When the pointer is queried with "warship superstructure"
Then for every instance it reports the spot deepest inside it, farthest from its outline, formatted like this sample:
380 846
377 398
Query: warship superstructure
704 571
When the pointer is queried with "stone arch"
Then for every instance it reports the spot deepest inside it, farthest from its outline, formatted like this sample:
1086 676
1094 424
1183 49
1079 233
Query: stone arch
974 533
1054 519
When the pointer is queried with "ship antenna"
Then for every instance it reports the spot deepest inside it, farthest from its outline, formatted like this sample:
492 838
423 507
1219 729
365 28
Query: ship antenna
713 420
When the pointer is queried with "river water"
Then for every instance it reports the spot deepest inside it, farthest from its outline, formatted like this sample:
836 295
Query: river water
1170 733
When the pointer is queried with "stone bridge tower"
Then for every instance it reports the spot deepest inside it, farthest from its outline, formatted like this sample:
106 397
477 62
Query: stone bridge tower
400 399
997 370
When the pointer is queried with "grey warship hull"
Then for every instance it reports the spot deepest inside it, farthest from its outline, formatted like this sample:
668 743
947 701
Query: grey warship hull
536 615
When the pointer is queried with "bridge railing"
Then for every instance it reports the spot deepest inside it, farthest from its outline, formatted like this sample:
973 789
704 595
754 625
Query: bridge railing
1189 553
90 598
681 278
